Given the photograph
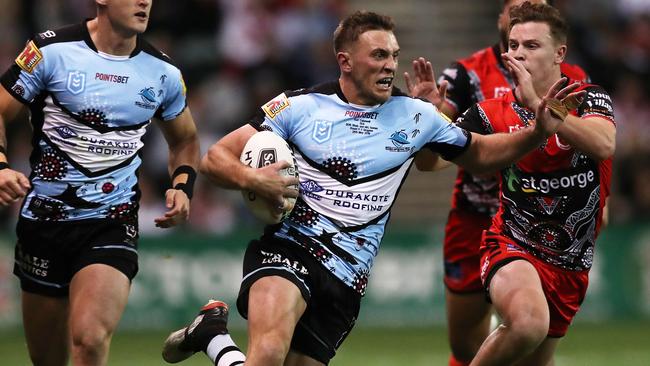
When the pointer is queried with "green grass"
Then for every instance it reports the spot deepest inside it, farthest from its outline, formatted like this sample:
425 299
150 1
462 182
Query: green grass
586 344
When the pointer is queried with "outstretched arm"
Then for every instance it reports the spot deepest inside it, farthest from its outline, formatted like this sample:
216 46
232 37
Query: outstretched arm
181 136
13 184
222 166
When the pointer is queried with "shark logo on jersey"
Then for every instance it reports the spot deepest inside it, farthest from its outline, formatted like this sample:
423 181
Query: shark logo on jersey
148 96
399 138
76 82
322 131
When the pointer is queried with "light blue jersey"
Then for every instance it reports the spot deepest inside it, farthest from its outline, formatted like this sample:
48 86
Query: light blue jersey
352 162
89 111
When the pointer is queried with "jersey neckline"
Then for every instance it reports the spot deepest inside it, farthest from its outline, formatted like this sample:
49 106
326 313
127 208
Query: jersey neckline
91 44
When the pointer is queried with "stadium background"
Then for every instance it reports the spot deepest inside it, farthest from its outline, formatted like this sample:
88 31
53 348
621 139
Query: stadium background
236 55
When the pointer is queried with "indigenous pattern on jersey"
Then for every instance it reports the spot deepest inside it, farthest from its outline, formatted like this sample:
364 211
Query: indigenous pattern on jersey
552 199
352 162
483 76
89 111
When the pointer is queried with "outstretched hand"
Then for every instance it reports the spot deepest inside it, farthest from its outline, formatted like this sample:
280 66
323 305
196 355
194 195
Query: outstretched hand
178 209
424 85
555 106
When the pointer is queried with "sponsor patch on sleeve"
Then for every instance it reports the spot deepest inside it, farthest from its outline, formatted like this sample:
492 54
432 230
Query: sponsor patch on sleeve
276 105
29 58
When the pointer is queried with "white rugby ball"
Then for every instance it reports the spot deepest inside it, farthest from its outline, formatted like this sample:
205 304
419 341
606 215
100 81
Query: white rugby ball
262 149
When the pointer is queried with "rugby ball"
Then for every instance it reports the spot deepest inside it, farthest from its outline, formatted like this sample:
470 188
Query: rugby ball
262 149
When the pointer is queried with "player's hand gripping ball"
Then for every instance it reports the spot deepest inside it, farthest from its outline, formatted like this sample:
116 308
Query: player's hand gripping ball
262 149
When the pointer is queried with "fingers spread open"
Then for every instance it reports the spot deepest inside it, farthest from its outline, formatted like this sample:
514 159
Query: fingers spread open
409 83
566 90
554 90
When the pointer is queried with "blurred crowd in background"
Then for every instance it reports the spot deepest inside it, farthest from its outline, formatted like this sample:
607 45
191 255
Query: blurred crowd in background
237 54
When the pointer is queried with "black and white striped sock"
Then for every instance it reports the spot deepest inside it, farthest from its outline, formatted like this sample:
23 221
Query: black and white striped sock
224 352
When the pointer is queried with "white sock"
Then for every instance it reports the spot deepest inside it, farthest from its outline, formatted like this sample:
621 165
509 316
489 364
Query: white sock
224 352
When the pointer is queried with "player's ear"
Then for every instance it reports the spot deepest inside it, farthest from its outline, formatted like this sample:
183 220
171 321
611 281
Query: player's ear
560 54
344 60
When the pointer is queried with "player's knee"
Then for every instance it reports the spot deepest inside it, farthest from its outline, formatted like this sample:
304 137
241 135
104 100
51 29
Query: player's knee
271 349
530 328
91 340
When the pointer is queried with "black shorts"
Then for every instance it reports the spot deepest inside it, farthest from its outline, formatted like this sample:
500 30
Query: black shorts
332 306
48 254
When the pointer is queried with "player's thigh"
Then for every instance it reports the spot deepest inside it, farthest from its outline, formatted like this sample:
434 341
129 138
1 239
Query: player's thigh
45 315
98 296
543 355
516 290
274 306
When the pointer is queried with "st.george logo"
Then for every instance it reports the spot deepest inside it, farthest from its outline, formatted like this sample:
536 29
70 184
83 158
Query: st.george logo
76 82
322 131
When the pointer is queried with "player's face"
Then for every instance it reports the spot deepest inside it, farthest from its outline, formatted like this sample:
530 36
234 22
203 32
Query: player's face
373 61
532 44
129 16
504 18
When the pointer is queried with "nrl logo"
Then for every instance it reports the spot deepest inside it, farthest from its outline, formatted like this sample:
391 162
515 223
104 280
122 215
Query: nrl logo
322 131
76 82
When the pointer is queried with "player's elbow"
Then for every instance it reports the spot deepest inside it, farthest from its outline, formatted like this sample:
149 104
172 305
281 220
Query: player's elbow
206 167
604 150
609 148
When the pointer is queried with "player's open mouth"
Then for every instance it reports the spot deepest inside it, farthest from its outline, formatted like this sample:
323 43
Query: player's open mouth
385 83
141 15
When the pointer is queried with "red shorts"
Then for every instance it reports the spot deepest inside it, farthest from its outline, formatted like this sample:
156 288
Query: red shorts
564 290
461 250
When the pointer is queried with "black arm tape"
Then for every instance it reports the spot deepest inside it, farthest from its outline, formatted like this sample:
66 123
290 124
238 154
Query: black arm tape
4 165
187 187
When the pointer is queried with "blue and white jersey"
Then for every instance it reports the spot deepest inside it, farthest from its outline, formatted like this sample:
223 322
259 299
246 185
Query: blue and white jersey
352 161
89 111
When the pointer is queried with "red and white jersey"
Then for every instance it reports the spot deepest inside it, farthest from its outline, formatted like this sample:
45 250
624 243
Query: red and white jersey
552 199
471 80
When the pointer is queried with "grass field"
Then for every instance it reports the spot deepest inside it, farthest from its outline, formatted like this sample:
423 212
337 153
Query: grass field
587 344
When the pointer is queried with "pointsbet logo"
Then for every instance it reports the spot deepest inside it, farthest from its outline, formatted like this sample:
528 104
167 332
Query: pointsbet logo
548 184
